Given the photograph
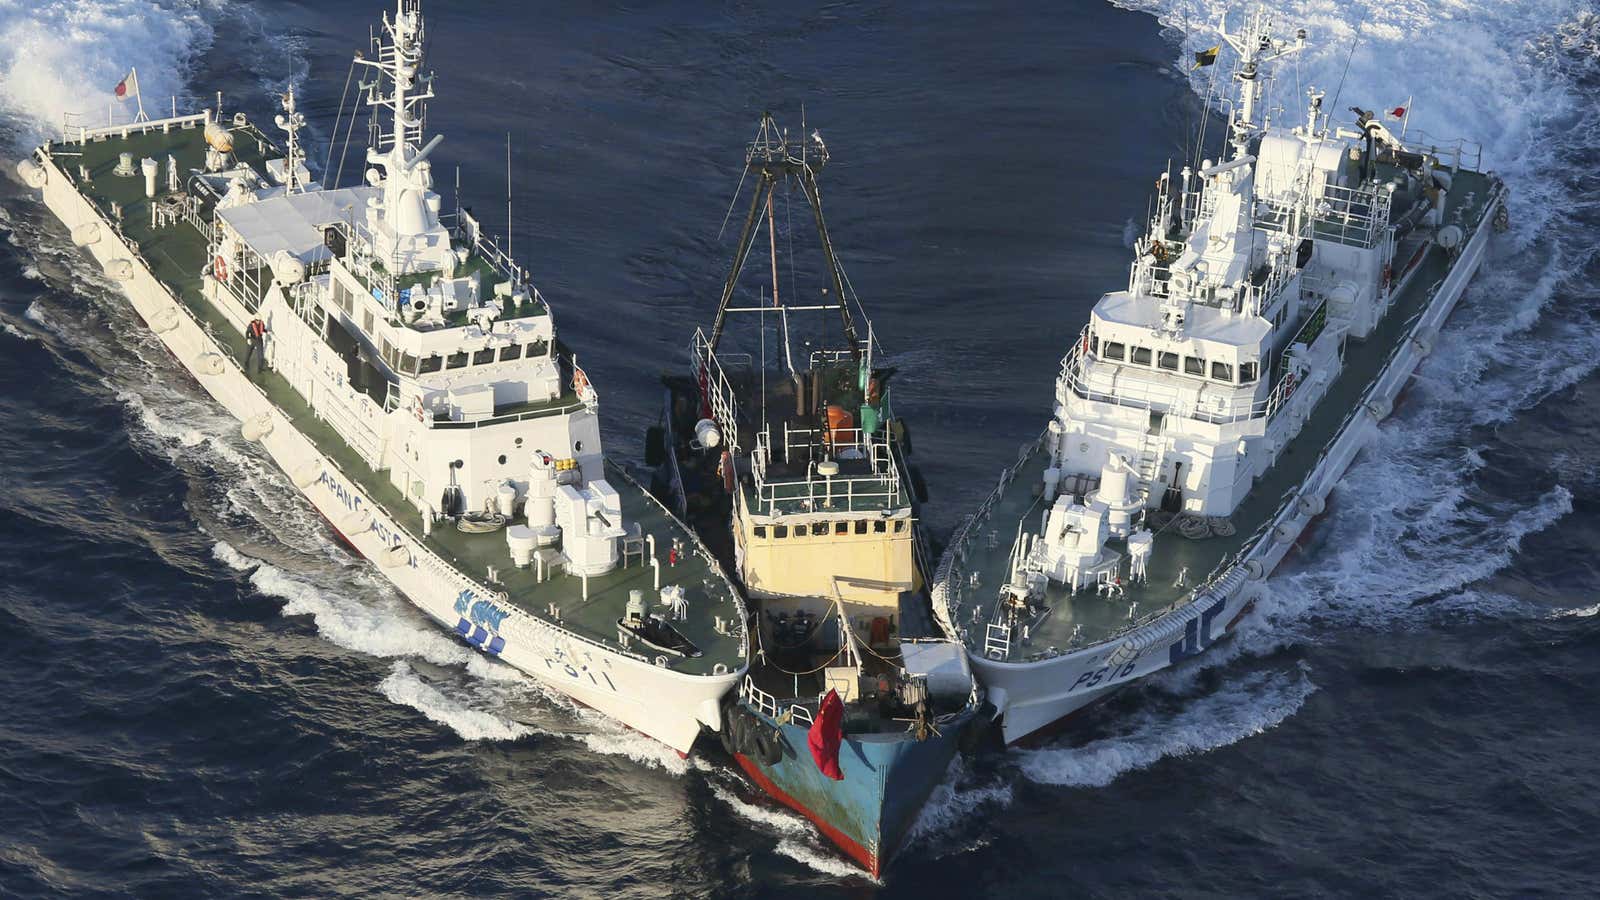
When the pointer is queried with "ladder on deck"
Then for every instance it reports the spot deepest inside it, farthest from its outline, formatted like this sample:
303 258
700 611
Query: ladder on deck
633 545
1152 450
997 641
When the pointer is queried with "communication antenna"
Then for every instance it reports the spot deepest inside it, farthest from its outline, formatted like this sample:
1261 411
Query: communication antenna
291 121
508 194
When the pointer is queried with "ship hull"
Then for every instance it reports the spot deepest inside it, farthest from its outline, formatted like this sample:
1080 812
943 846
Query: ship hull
1031 697
670 707
887 779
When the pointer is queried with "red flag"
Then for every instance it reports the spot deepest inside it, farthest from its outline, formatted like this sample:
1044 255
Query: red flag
826 733
1399 112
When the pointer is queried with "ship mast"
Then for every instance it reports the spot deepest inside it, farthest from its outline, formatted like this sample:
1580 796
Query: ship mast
1256 47
772 159
291 121
404 223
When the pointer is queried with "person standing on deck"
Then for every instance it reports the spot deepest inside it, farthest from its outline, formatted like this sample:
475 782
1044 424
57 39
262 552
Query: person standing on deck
255 337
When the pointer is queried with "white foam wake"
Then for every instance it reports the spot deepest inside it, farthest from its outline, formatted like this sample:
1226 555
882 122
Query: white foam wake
66 56
404 687
1245 706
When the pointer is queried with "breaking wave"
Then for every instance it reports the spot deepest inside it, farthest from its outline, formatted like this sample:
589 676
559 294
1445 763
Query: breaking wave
1244 707
65 57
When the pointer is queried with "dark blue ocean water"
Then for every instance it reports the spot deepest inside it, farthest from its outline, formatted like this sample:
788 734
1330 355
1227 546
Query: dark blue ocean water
204 696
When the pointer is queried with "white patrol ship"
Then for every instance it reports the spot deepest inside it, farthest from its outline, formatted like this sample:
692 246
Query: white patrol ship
407 376
1275 309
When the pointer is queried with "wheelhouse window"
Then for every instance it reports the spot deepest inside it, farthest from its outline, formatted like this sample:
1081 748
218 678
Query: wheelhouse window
761 531
1194 365
408 363
512 352
456 360
1141 356
1094 346
819 529
1222 371
1168 361
431 364
780 531
1113 350
1247 373
483 356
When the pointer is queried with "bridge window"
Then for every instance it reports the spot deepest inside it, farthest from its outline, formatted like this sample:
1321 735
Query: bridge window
879 526
1194 365
899 525
1112 350
483 356
1247 373
1141 356
512 352
819 529
780 531
761 531
861 526
1094 346
1168 361
408 364
841 528
1222 371
456 360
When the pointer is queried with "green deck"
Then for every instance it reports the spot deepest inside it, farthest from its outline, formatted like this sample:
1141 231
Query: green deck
177 256
1086 618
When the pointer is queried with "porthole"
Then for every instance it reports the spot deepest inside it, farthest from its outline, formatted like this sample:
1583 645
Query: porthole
502 459
577 446
517 442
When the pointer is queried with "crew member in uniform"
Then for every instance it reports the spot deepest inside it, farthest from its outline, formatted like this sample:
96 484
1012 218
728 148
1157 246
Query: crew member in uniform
255 336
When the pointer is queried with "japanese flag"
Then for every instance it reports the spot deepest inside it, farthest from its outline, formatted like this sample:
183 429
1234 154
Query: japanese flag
1398 113
128 86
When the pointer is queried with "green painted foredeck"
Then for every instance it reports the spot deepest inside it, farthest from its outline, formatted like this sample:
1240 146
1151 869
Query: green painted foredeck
177 256
1093 617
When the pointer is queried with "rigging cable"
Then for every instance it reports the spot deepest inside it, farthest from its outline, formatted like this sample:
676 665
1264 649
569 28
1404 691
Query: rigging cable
334 136
1354 41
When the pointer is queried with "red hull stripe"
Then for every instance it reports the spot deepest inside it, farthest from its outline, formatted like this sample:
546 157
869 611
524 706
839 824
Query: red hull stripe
865 858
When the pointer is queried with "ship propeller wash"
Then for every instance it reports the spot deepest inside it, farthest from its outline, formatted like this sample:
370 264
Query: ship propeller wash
783 451
1276 307
405 373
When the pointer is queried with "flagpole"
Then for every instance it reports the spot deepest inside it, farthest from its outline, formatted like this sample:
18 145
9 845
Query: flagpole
133 72
1405 121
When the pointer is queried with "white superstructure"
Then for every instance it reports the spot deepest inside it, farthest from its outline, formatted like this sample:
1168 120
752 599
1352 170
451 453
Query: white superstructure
1279 296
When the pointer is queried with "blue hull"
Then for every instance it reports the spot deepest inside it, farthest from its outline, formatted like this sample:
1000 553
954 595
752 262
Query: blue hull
887 779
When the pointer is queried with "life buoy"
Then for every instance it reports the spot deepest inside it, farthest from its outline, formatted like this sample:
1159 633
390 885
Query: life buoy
1388 275
219 268
416 408
580 381
874 392
725 469
1158 251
